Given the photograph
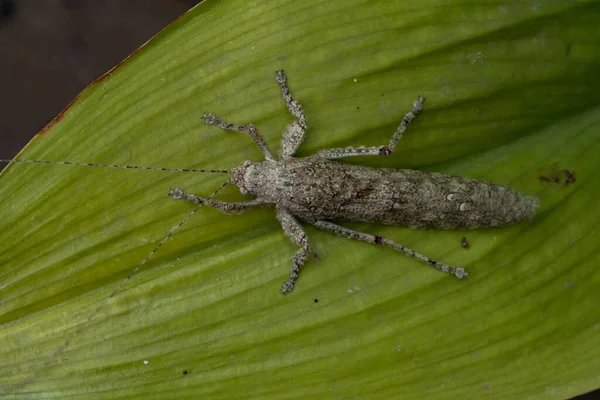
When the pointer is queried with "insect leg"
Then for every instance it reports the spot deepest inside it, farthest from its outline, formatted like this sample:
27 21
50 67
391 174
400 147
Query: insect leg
294 132
377 151
352 234
294 231
250 129
227 207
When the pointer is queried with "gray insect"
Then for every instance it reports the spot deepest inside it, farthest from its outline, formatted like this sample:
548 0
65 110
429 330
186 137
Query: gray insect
318 191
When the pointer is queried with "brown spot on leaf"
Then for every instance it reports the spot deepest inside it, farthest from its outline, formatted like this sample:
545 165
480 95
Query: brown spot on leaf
553 178
549 173
569 177
555 175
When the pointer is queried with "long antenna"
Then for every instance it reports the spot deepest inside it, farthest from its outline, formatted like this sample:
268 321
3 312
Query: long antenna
171 232
82 326
83 164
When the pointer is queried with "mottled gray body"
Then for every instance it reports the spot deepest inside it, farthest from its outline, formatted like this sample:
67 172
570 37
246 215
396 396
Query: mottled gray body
314 188
320 191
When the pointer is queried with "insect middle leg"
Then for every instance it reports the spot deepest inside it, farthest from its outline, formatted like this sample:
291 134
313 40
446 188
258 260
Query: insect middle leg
294 132
377 151
250 129
352 234
294 231
227 207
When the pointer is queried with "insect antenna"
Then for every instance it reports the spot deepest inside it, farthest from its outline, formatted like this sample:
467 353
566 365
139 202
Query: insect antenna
82 326
171 232
84 164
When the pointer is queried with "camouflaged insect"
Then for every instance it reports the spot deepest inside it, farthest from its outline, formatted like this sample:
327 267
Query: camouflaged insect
318 190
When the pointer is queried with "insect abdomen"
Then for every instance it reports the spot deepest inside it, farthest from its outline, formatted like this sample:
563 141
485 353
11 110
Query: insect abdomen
409 198
439 201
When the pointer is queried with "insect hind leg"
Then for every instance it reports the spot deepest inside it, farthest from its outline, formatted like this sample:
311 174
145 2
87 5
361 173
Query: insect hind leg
382 150
365 237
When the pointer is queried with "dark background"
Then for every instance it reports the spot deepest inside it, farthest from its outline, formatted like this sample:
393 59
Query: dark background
50 50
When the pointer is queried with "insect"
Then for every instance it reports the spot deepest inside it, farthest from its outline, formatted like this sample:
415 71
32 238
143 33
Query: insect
319 190
464 242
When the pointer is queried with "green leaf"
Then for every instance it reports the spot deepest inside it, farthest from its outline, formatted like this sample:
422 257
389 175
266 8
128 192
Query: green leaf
512 95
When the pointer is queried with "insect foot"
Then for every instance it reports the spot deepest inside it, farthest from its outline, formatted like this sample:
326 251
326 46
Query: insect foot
210 119
176 193
280 77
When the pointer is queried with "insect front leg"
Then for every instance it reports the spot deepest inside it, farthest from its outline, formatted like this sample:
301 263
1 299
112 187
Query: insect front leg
228 207
250 129
294 231
377 151
294 132
352 234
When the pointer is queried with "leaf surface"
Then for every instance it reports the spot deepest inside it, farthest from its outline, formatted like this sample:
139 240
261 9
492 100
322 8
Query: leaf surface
512 98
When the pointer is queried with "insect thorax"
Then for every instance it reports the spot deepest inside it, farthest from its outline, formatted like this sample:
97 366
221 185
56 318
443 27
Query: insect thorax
268 180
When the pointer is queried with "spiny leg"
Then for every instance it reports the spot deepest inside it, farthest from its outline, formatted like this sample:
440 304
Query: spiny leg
227 207
294 132
294 231
352 234
377 151
292 105
250 129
